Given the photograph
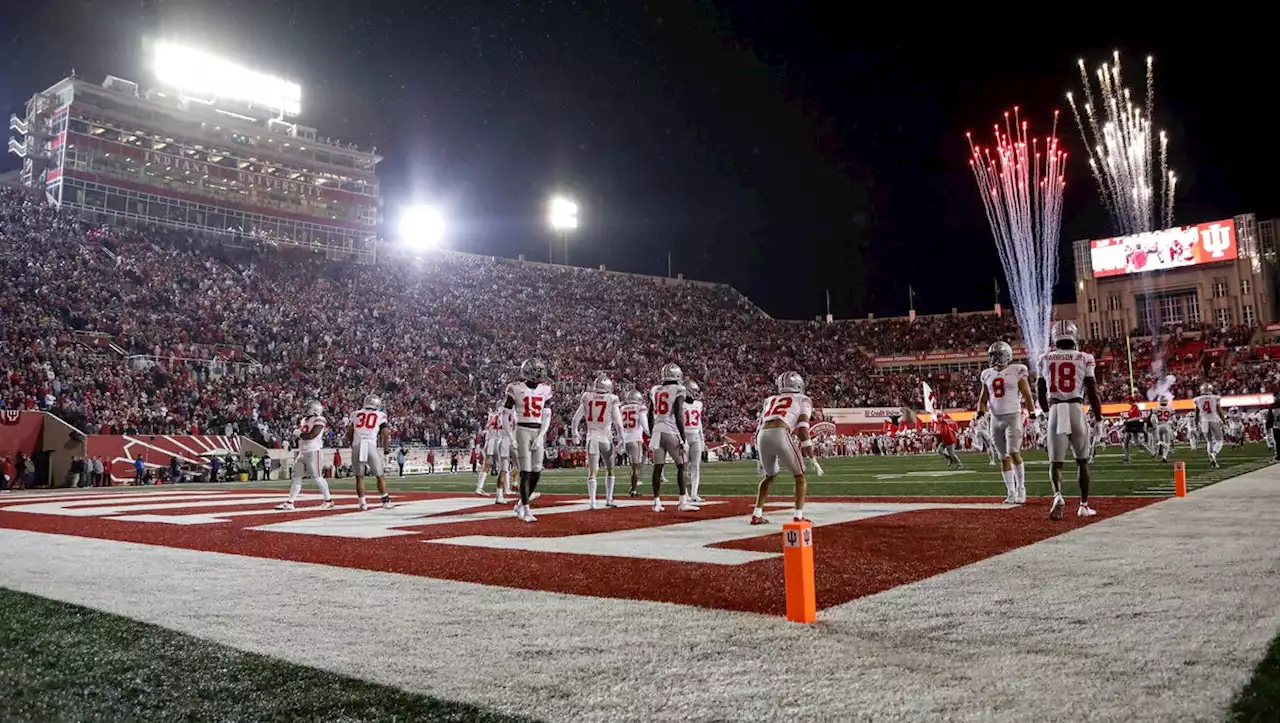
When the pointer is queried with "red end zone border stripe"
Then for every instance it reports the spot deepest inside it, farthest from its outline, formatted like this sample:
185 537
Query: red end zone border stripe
852 559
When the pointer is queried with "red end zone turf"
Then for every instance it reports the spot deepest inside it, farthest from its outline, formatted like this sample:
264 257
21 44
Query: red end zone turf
711 558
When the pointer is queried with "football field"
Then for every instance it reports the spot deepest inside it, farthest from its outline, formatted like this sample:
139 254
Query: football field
936 602
892 476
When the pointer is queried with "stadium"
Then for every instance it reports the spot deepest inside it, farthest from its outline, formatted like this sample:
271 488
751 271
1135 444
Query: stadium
163 251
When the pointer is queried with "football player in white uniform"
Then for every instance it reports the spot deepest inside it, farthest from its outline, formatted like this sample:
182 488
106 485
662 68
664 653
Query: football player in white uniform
310 434
666 438
497 453
786 412
1161 417
1066 381
600 408
370 440
982 429
1209 413
1004 390
530 404
1235 426
692 421
635 425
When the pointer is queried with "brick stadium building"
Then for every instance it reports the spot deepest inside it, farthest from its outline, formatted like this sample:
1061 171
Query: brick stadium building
1222 273
118 153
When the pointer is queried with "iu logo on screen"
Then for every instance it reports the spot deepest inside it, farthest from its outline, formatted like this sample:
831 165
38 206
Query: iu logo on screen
1216 240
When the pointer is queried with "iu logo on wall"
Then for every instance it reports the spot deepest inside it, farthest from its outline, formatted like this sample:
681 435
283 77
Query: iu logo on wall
10 416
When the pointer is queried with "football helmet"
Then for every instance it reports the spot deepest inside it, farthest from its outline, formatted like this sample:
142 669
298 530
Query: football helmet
533 370
635 397
692 389
315 408
790 383
1000 353
1206 388
1166 400
671 372
603 384
1064 330
373 401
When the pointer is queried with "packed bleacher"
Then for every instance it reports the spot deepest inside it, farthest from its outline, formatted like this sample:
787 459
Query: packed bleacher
157 331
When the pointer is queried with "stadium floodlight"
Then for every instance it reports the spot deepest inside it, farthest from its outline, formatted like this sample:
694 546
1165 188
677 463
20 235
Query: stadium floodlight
421 227
563 214
200 74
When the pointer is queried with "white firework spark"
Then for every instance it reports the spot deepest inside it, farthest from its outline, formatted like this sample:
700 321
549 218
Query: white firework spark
1122 145
1022 182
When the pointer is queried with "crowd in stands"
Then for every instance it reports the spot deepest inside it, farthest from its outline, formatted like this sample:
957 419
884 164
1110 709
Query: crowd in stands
155 331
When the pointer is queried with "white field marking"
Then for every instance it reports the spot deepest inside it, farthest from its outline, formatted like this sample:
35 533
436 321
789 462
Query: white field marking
689 541
362 526
65 509
133 494
929 473
365 526
210 518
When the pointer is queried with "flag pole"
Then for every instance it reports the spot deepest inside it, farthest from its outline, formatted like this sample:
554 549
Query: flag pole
1128 346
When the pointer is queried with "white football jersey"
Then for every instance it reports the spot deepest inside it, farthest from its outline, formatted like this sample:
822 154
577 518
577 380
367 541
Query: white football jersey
602 415
635 422
493 426
788 408
1003 396
692 419
306 424
529 405
662 400
366 423
1064 372
1162 415
1209 405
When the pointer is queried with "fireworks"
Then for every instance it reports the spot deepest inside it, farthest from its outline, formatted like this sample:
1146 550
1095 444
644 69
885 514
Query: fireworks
1021 182
1125 153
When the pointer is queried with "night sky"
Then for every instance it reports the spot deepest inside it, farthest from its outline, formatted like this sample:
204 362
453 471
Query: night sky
783 151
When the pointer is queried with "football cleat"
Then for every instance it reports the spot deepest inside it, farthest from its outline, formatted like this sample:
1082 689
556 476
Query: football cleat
687 507
657 506
364 506
1085 510
1059 504
759 520
697 500
1010 500
284 506
611 503
481 493
326 505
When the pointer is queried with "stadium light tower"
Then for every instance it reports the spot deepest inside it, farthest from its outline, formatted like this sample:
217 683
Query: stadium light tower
421 227
562 215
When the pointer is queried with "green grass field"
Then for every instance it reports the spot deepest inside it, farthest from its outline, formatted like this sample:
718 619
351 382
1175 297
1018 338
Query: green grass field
912 475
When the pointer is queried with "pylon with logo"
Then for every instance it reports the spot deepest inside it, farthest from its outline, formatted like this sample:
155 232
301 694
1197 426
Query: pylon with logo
797 564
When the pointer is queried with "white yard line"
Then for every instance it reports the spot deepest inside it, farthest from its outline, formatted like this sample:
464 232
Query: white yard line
1159 614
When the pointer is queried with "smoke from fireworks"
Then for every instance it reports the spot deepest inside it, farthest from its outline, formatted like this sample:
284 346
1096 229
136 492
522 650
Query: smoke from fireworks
1128 159
1021 182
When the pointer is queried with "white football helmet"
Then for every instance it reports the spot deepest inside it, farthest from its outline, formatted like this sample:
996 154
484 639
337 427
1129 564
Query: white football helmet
1064 330
1000 353
373 401
635 397
603 384
790 383
1206 388
533 370
315 408
1166 400
671 372
691 387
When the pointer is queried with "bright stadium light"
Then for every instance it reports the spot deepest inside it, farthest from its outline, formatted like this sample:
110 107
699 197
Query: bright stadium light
197 73
562 215
421 227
